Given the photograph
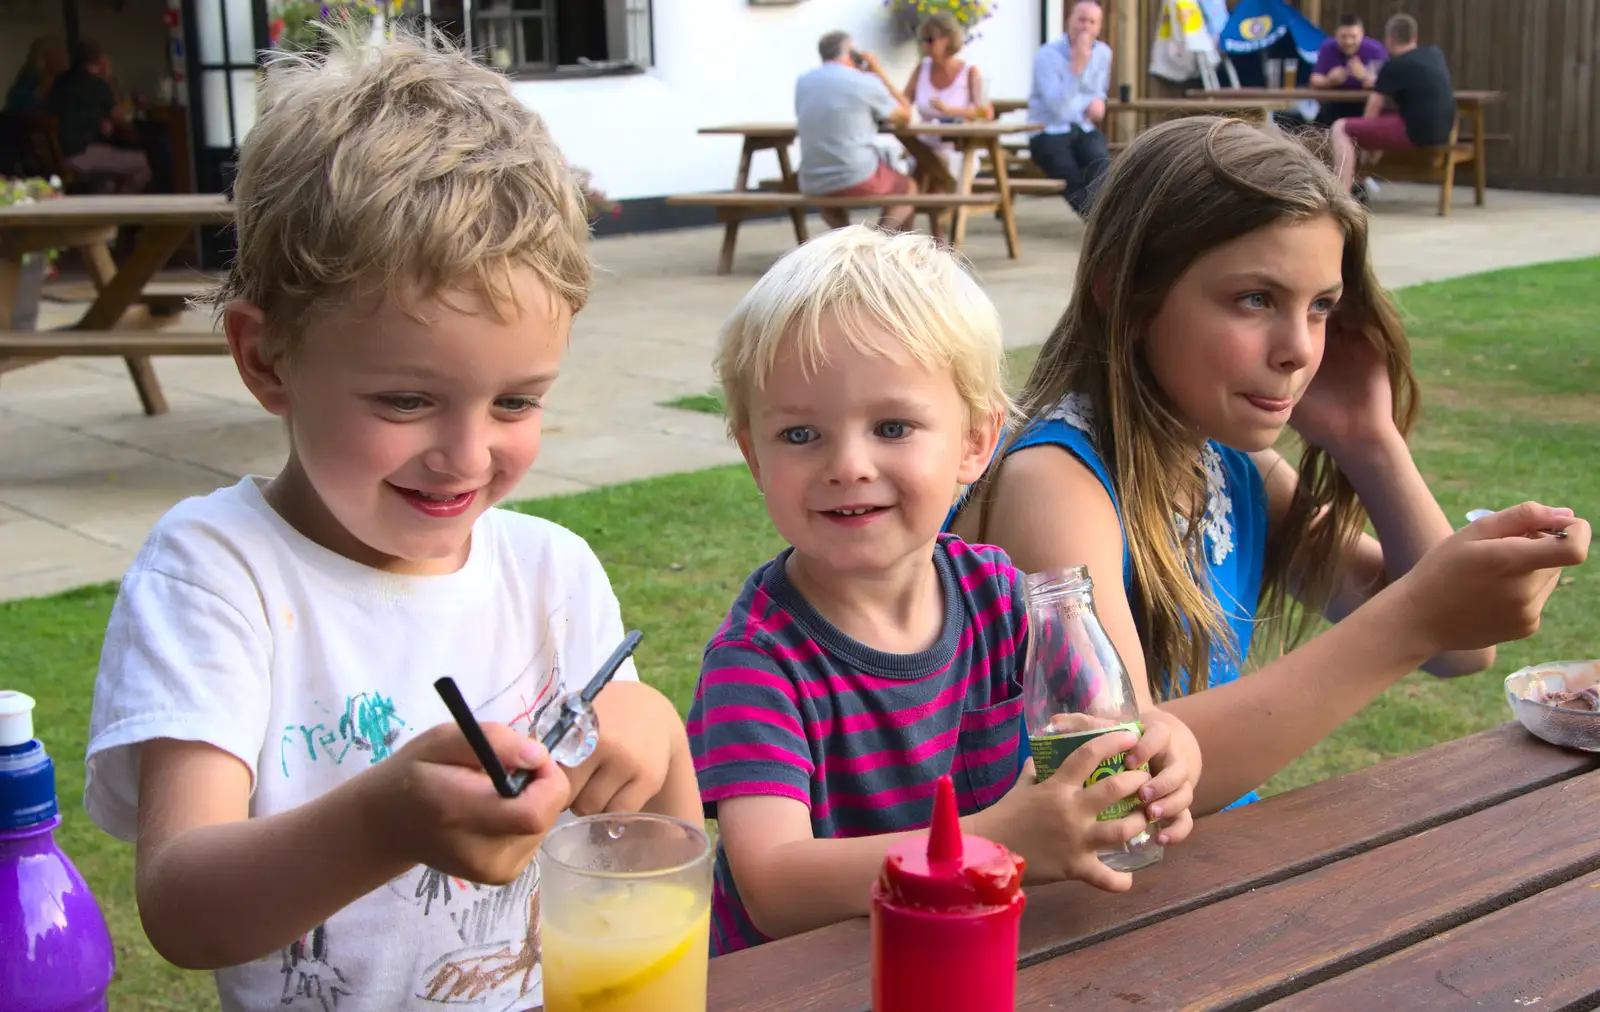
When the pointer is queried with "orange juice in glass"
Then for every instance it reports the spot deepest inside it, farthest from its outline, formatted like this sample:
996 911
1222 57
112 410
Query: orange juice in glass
625 903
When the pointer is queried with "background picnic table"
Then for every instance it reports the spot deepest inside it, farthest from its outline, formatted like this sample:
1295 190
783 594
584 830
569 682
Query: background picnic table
88 224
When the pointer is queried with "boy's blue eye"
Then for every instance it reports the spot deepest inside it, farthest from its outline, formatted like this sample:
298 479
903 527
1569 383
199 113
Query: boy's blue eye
894 430
403 403
798 436
1255 300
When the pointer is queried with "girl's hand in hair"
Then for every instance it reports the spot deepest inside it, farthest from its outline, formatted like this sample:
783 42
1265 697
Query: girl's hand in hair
1349 402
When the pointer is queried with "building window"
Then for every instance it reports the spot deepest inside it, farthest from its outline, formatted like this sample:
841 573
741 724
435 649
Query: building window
552 36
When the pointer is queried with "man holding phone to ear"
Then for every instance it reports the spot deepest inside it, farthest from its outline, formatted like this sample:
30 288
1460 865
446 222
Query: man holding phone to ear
838 107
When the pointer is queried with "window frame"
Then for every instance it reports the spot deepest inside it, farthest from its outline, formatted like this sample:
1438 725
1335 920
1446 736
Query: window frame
635 36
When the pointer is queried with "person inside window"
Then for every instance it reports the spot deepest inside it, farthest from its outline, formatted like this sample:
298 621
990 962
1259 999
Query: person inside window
89 119
47 59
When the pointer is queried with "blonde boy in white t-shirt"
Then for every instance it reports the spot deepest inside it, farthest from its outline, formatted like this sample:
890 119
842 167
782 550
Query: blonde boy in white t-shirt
309 822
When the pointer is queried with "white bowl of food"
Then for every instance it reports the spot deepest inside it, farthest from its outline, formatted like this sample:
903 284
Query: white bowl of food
1559 702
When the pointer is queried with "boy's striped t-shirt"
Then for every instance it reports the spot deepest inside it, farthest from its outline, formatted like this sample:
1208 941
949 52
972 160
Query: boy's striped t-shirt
788 705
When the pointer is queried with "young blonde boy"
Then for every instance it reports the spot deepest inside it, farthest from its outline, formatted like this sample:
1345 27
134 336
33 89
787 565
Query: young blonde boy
863 378
309 822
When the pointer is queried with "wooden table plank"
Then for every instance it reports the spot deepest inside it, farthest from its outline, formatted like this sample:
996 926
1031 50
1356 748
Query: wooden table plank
1273 942
1229 854
771 130
43 344
1464 96
188 209
1539 953
1297 832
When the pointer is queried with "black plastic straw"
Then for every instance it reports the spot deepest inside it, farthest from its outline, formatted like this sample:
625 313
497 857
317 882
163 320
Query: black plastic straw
446 688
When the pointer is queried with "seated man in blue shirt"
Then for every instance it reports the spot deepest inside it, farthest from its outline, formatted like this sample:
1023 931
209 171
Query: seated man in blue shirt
1070 78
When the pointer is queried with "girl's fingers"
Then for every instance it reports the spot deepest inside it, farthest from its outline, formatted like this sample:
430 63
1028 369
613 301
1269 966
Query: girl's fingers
1152 743
1165 783
1177 830
1169 805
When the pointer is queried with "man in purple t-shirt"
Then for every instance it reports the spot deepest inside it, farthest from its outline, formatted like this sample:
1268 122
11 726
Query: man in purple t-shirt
1349 60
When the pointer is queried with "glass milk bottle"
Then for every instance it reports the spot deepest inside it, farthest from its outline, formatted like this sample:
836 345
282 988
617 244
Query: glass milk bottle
1074 689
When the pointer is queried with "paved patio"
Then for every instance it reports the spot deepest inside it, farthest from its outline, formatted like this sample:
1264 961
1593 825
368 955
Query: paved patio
83 474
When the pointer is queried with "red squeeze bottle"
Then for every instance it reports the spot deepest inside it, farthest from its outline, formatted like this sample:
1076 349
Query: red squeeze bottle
945 917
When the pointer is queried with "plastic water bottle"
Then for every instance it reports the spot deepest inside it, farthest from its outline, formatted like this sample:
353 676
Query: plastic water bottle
55 951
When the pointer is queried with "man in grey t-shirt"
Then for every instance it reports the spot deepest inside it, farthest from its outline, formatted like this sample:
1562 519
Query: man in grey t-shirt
838 106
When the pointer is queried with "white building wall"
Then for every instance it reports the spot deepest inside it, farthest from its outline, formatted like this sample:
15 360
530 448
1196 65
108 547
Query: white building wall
724 61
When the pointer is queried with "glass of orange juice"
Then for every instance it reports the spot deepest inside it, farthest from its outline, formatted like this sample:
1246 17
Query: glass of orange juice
625 914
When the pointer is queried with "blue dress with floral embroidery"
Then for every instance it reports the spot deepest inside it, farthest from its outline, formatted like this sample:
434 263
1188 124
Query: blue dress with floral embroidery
1234 526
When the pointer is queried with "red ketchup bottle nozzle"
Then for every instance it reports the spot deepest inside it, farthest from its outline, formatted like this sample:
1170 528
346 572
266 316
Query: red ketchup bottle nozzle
944 832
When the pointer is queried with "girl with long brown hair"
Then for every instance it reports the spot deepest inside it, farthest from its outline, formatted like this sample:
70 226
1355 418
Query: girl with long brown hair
1224 294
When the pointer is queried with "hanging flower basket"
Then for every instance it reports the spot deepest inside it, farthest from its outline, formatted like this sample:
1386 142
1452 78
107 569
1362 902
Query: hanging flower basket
907 15
293 25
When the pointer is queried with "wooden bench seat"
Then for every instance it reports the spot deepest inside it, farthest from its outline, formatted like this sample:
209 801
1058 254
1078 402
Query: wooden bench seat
1026 186
153 291
1429 165
733 206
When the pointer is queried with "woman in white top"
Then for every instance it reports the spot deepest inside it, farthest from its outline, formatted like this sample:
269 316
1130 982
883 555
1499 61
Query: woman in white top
944 88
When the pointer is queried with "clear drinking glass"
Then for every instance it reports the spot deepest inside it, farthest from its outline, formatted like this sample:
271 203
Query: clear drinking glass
625 914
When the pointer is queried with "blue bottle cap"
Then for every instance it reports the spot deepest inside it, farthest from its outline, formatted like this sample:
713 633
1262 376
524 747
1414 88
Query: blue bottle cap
27 777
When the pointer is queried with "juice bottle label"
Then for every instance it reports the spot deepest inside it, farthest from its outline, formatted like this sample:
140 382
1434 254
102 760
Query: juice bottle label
1051 750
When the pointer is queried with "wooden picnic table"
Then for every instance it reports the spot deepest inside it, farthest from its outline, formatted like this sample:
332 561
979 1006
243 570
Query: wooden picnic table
1251 107
1470 104
1464 877
969 138
89 224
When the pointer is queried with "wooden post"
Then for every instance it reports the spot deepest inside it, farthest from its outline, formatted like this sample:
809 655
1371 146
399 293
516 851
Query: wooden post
1127 62
1312 9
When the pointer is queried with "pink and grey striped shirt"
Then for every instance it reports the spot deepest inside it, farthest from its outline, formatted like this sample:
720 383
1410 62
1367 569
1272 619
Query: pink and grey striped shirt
788 705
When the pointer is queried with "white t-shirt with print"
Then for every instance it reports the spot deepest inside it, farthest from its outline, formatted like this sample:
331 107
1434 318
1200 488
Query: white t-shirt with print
233 629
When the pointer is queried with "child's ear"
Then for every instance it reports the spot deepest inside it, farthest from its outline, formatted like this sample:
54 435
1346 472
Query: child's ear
246 327
742 437
981 441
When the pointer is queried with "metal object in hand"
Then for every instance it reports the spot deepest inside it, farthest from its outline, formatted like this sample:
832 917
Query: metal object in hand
1473 516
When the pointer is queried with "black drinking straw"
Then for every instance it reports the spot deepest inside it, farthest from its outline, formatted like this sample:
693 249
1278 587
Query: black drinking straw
511 785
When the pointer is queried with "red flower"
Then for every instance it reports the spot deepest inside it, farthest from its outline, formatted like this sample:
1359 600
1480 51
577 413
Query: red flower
275 30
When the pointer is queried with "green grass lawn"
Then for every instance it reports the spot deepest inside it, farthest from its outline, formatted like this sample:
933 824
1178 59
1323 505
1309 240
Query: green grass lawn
1511 412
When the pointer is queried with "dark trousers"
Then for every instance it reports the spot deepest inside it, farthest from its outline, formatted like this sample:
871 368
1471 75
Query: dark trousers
1079 159
1332 112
